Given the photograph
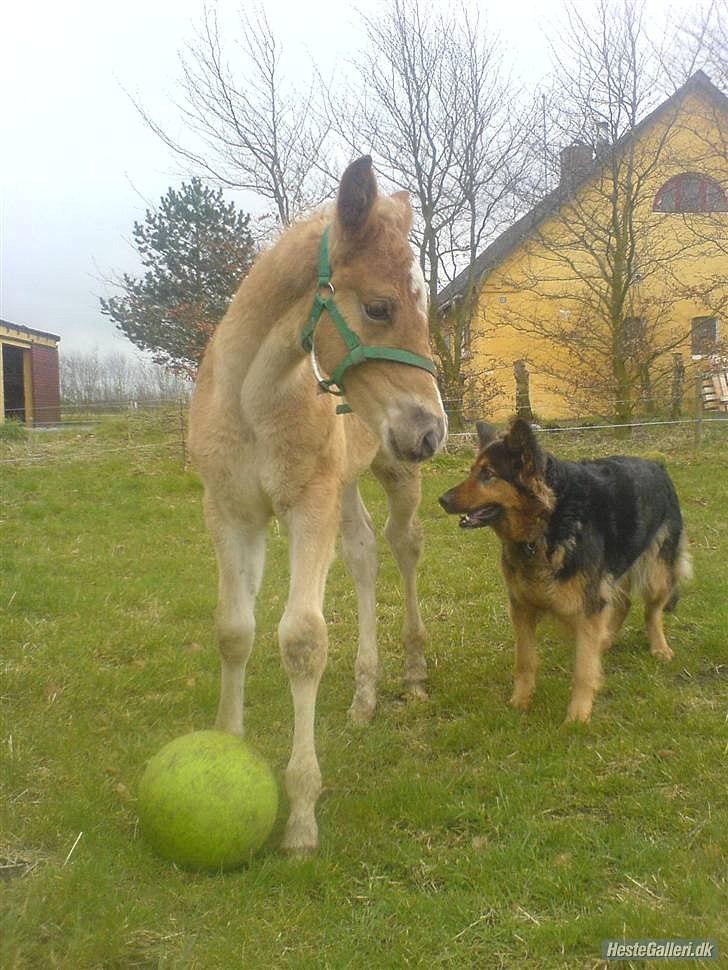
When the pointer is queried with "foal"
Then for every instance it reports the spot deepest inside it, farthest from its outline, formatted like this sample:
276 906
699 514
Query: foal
340 292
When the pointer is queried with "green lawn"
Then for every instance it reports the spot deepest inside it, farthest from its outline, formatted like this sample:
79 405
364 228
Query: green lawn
455 833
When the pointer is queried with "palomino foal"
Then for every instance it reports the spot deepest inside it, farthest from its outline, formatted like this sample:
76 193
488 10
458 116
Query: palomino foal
267 441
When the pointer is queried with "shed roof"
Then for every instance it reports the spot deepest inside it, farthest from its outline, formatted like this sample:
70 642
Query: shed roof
28 331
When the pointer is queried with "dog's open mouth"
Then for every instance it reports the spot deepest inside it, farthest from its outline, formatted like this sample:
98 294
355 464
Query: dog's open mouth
481 517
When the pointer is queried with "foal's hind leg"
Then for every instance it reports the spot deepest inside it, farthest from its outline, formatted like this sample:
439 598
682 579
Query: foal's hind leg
303 640
359 546
404 534
240 550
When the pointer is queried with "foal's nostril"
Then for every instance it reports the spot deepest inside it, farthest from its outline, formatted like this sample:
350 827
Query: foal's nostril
428 445
444 501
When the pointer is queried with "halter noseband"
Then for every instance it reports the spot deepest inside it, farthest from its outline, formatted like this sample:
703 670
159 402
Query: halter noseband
357 352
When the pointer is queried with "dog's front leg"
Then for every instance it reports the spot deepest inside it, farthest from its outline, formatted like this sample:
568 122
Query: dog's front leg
592 634
525 619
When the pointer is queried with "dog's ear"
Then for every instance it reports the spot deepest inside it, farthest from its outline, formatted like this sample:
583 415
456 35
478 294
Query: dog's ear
486 433
521 443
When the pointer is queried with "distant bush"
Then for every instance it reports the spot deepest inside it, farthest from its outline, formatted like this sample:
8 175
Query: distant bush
13 431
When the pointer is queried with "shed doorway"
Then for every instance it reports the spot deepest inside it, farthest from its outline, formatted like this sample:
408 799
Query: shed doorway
13 383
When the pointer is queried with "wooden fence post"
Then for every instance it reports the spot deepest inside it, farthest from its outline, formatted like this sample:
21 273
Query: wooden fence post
698 432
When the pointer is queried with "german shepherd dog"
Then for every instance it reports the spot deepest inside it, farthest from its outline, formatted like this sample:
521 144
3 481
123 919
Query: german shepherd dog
577 538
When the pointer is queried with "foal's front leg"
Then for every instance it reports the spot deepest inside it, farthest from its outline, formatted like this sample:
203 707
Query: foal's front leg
303 639
404 533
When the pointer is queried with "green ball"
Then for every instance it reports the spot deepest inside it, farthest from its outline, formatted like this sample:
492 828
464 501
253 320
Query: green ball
207 801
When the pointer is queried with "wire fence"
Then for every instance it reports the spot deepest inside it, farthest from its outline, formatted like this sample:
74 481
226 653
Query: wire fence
93 431
149 429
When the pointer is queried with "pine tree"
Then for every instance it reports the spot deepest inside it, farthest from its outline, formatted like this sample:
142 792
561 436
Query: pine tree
195 249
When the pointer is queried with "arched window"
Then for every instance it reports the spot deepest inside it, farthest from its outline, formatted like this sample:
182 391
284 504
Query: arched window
691 192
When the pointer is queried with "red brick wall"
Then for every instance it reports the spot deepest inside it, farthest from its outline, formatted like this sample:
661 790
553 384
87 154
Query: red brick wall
46 390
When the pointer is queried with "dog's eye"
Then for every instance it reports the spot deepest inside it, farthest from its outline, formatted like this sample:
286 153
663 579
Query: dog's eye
484 474
379 311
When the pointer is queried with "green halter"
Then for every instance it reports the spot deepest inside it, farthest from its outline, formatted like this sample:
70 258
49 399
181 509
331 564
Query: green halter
357 352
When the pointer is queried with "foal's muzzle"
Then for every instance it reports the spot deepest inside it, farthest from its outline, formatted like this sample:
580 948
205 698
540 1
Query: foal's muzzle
417 435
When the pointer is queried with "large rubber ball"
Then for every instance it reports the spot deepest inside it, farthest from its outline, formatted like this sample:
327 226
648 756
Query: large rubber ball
207 801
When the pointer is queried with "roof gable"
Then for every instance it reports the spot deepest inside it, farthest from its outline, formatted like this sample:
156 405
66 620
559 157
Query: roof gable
504 244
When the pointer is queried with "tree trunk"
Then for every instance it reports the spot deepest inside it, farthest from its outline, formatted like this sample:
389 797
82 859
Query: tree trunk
678 386
623 403
454 401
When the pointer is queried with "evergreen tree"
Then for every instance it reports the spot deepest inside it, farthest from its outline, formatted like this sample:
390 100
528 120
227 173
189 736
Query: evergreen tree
195 249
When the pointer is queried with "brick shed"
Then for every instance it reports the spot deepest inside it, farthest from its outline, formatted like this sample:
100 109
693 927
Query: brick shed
29 382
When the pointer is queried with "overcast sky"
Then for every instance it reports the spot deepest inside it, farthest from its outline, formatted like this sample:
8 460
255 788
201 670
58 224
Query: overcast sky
78 165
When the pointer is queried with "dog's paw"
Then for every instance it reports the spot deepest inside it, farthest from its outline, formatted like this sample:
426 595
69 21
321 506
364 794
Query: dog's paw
521 700
579 712
664 654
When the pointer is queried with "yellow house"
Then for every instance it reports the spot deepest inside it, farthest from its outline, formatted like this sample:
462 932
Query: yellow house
613 289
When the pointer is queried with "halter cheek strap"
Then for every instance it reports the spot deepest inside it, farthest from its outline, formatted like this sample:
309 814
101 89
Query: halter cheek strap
357 353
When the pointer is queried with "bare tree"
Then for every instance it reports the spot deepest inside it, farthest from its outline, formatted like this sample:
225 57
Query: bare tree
703 41
605 273
436 109
248 128
87 378
703 44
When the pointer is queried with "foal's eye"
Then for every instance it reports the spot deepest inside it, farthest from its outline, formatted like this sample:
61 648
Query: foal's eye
484 474
379 311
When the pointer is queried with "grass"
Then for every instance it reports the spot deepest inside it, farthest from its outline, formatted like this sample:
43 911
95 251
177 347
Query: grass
455 833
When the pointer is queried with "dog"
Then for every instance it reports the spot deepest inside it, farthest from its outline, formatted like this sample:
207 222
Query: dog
577 539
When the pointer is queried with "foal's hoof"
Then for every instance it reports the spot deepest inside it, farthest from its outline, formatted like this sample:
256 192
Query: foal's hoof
300 839
362 707
416 692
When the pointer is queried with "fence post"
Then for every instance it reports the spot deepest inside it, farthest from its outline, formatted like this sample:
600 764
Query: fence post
182 430
698 433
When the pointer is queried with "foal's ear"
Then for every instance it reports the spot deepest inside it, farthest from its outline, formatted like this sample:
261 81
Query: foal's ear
357 193
403 199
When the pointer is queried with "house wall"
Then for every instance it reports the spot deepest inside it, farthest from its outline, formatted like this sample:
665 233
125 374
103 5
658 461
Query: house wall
533 294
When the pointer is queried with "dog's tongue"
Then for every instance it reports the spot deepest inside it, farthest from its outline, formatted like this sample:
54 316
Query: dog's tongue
479 518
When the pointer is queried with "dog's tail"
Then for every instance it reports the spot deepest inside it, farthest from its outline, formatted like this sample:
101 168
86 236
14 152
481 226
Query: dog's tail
682 570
